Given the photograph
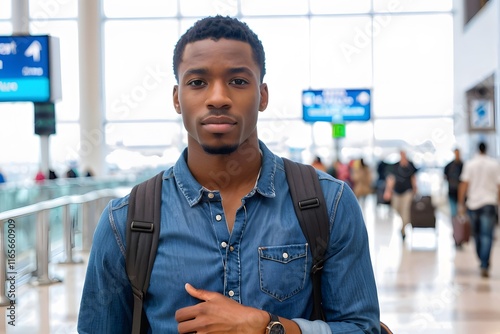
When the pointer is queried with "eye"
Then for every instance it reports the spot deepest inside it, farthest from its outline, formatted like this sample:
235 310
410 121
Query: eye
238 82
196 83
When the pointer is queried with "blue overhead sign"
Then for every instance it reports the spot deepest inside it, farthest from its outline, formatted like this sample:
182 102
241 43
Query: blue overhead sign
29 69
336 105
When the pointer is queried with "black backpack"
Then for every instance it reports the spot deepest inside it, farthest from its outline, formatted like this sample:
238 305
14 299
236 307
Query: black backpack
143 230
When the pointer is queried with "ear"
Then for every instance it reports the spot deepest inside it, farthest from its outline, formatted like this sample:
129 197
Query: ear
264 97
175 94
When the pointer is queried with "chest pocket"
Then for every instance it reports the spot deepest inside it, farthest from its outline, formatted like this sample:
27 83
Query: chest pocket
282 270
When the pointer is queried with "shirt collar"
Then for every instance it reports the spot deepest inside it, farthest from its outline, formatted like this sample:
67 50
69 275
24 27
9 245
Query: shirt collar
193 191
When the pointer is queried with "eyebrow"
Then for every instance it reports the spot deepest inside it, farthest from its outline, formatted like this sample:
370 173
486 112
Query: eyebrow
233 70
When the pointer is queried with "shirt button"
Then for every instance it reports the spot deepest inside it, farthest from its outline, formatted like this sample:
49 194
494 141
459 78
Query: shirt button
223 244
285 255
218 218
231 293
231 248
211 195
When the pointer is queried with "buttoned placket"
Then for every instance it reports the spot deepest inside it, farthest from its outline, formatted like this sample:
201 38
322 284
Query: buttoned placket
228 245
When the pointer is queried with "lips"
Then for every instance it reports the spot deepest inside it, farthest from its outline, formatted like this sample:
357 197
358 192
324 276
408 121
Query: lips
218 124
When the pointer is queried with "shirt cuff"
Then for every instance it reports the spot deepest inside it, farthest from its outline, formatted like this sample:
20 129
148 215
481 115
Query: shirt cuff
313 327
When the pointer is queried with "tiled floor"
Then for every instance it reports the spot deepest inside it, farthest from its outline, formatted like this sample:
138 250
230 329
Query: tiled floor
425 285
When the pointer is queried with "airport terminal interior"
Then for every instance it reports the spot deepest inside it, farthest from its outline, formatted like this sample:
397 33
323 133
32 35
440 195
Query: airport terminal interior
423 74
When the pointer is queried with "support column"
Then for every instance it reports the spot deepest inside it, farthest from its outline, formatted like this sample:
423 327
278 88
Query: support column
20 17
92 139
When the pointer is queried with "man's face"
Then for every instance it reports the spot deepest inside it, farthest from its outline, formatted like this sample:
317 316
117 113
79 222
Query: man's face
219 94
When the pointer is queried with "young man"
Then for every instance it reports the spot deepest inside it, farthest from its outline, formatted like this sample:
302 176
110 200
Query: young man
231 251
479 191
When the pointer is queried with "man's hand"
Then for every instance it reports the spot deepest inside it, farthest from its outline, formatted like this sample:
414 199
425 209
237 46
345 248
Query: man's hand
219 314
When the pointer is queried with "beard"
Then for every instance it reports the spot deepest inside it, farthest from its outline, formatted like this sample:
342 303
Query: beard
220 150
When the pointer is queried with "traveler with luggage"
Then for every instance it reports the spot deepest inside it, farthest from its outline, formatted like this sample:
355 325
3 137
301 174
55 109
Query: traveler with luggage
452 173
401 187
479 196
231 255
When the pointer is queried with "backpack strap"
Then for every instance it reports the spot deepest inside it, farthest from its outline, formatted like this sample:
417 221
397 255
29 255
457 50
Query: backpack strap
310 208
309 204
142 234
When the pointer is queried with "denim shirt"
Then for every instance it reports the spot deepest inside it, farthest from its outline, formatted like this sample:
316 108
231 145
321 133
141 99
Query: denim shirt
263 263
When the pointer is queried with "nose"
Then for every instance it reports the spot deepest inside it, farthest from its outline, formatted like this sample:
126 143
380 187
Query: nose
218 95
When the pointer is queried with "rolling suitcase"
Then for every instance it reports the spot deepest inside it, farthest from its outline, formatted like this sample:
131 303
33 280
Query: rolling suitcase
461 229
422 212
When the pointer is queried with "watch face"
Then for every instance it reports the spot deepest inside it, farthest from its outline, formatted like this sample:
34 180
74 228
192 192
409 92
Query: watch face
277 328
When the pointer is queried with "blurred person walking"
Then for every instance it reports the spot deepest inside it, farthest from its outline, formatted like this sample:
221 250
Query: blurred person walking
401 188
479 194
452 173
362 179
318 164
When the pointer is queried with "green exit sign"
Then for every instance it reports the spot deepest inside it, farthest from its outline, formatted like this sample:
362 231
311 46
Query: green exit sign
338 130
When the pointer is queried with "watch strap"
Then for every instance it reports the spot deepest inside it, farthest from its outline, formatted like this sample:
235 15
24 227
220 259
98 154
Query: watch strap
274 318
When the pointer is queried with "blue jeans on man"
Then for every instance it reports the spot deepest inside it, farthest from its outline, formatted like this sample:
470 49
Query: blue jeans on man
483 225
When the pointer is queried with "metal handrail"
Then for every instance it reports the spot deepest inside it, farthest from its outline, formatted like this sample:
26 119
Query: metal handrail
87 201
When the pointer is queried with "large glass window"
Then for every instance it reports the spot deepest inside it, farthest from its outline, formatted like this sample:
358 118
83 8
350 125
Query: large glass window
412 6
5 28
341 52
402 50
276 7
138 69
413 66
287 63
5 9
19 142
142 8
428 140
56 9
208 7
340 6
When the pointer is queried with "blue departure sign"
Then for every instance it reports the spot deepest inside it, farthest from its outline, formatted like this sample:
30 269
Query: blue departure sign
336 105
29 69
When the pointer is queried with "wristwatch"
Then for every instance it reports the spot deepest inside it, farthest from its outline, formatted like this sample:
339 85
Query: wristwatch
275 326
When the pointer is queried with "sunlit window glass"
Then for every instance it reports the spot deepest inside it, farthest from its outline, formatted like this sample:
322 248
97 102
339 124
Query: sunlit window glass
412 67
208 7
274 7
46 10
5 28
138 69
341 52
286 48
412 5
340 6
142 8
5 9
426 138
20 119
65 145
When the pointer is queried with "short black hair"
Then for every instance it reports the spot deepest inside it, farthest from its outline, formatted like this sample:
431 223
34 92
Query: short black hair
482 147
215 28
